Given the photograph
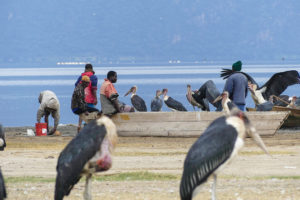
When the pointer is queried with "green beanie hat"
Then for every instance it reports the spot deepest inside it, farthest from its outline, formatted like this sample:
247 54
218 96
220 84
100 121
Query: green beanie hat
237 66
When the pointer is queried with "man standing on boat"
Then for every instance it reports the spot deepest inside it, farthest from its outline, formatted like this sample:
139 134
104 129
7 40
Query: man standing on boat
91 90
109 96
237 86
49 104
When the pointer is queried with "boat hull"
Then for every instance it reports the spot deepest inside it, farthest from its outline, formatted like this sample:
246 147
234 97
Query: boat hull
188 124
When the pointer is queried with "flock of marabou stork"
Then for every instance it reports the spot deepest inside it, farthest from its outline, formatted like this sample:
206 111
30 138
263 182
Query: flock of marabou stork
90 151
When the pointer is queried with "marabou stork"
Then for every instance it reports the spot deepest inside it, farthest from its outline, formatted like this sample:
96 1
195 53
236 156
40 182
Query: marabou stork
137 102
2 138
156 103
87 153
3 194
227 104
191 99
213 150
172 103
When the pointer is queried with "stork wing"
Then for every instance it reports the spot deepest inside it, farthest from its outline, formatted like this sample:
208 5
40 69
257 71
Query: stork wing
172 103
211 150
279 82
76 154
2 136
2 187
139 103
225 73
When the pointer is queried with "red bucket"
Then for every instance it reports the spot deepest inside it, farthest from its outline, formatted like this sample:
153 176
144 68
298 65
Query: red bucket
41 129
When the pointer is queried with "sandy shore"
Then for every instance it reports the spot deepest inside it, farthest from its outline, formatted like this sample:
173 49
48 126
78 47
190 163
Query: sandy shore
150 168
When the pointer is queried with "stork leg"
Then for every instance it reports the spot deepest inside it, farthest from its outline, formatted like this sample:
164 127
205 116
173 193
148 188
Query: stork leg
87 190
213 188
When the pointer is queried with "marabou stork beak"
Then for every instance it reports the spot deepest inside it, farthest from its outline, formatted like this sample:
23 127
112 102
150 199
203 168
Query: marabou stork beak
257 139
129 91
218 98
250 130
252 87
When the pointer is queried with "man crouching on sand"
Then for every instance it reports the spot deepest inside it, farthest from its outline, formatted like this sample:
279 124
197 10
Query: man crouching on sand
48 104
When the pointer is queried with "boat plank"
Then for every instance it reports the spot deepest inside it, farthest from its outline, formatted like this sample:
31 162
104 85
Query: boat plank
166 116
163 126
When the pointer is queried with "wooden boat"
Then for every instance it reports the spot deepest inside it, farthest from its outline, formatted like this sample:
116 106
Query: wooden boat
293 119
188 124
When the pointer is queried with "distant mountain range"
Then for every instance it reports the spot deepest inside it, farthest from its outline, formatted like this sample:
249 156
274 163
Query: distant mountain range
148 31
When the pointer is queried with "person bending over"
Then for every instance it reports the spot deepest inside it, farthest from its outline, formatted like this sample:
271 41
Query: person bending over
49 104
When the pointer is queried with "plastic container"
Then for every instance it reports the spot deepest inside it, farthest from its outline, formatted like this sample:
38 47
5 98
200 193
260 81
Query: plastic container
41 129
30 132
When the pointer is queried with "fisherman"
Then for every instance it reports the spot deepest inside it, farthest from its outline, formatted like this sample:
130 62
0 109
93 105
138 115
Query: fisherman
237 86
49 104
91 90
78 104
109 96
208 92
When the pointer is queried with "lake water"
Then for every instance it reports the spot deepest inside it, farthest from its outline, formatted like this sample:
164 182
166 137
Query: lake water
20 87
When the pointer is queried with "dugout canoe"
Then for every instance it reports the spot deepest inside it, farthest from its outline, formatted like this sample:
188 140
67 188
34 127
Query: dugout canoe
188 124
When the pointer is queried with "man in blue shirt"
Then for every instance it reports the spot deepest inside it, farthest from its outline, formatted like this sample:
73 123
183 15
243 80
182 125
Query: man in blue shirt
237 86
